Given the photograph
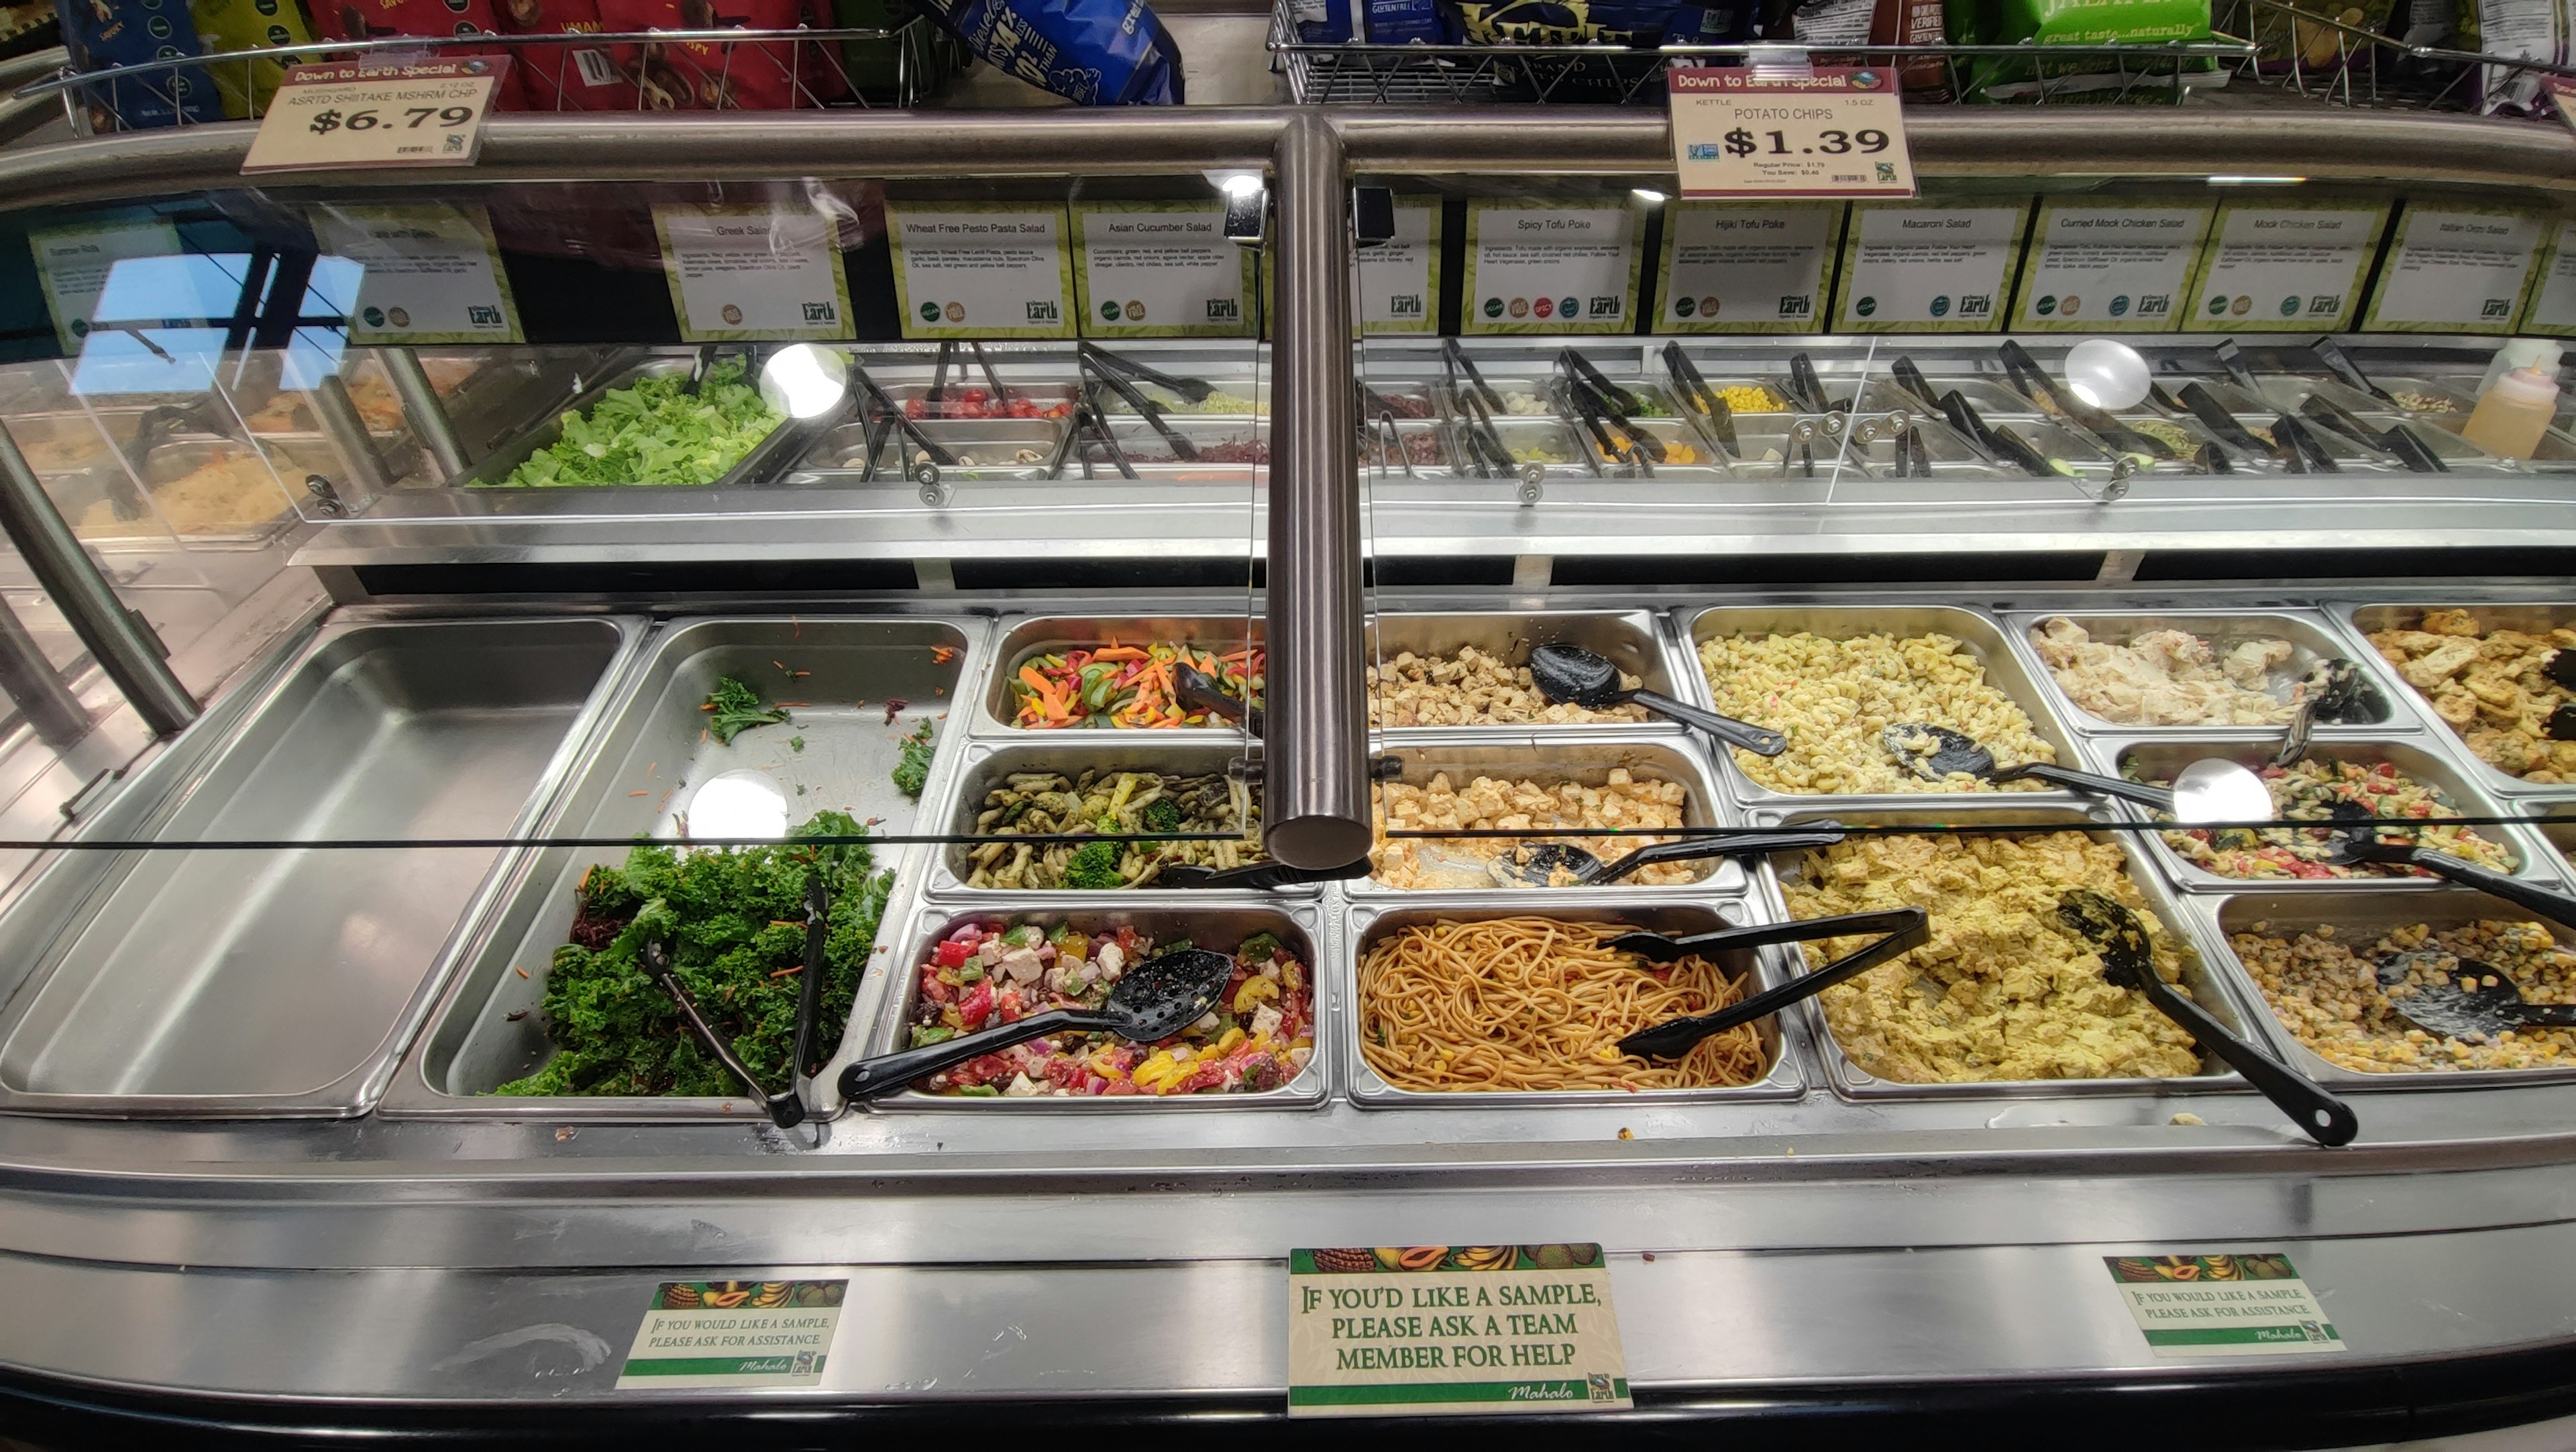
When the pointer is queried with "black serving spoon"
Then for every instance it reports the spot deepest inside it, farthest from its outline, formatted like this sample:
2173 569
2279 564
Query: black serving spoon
1906 929
785 1110
2361 844
2436 999
1260 876
2115 935
1199 691
1936 752
1151 1002
1566 673
1537 866
2328 694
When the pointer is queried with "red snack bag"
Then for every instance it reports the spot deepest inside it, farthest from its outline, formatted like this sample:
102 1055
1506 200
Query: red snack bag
566 77
713 75
384 19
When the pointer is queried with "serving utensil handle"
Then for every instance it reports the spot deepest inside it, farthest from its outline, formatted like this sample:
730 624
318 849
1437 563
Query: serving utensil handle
2321 1116
868 1078
1761 741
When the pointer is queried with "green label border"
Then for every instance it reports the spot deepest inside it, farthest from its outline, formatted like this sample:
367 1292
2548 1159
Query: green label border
2011 280
1472 324
475 215
64 337
2024 322
2551 245
1665 325
1430 321
1246 327
2193 319
2371 321
846 330
913 327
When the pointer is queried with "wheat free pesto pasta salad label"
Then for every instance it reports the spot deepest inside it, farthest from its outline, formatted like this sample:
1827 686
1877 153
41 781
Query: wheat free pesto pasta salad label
734 1334
2243 1304
1452 1330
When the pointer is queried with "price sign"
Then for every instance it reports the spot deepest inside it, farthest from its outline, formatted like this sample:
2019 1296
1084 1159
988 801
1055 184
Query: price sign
358 115
1836 132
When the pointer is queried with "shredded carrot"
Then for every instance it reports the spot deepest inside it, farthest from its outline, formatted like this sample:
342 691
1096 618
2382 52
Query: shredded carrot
522 972
639 794
783 972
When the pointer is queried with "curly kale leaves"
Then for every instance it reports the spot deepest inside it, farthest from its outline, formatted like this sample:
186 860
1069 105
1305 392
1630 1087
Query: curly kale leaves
655 432
732 920
736 708
913 772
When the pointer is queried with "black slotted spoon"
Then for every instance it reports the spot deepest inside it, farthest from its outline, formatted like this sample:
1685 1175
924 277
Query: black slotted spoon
1566 673
2461 998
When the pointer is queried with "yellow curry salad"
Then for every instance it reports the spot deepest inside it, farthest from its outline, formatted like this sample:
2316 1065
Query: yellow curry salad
2329 998
2487 684
2003 990
1831 698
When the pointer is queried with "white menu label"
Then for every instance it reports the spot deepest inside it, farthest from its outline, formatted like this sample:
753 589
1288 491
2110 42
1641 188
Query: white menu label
1944 269
963 270
2110 266
1161 270
73 263
1549 267
752 272
2455 271
1736 268
432 273
1400 277
2271 267
2553 301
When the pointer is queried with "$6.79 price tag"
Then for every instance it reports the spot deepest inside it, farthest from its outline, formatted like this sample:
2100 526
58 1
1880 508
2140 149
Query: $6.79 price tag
1836 132
337 115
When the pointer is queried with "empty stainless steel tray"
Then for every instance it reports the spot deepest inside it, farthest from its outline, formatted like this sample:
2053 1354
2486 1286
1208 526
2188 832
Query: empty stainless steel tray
287 980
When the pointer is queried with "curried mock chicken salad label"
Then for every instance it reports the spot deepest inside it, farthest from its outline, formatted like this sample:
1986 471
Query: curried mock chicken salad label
2242 1304
1452 1330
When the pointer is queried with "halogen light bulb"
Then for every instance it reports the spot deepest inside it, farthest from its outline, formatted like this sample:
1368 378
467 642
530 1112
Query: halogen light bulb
2107 374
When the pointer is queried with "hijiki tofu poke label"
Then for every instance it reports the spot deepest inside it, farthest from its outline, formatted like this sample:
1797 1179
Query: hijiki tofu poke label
1455 1330
2251 1304
734 1334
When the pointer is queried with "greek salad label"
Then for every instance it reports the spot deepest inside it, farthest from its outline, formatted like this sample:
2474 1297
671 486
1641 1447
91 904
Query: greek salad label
734 1334
743 273
1400 277
1457 1330
982 270
72 263
2284 267
1162 270
2455 270
2110 267
432 273
1835 131
1738 268
2223 1305
1550 267
1928 269
2552 309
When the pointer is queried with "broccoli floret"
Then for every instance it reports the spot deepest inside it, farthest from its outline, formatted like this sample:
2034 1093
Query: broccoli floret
1162 814
1094 865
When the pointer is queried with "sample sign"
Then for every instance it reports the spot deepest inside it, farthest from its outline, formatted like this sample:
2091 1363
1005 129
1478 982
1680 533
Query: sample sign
1400 277
982 270
2455 270
1458 1330
1838 132
2284 267
432 273
1536 266
2222 1305
2110 267
353 114
2552 308
72 264
1928 268
1737 268
1161 270
734 1334
744 273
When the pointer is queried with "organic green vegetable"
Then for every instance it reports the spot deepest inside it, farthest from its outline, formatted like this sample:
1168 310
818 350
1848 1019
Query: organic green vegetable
733 922
736 708
913 772
1094 867
653 432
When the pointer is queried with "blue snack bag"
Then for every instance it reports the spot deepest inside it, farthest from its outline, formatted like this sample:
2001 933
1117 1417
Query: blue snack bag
102 34
1407 22
1096 52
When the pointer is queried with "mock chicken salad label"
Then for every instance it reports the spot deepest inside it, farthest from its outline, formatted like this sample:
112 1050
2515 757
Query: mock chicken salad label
2110 267
2552 308
2285 267
982 270
73 264
1537 266
431 273
1452 1330
734 1334
753 273
1935 269
1162 270
2241 1304
2455 270
1400 277
1736 267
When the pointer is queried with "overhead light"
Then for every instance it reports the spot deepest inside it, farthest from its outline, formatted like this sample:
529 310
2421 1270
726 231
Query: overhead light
2256 181
804 380
1648 195
1234 183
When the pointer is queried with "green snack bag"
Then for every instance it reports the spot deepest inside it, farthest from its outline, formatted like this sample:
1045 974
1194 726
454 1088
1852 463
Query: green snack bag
2082 23
245 86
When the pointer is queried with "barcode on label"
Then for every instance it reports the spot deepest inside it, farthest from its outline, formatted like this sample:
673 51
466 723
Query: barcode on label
596 68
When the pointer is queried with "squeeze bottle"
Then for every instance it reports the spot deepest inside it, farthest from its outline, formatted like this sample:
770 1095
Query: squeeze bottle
2512 414
2536 353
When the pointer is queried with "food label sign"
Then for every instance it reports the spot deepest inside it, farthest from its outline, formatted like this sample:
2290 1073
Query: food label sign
734 1334
348 114
1452 1330
1836 132
2222 1305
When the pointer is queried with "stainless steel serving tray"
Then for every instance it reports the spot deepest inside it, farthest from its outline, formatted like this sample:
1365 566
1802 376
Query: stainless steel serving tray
839 457
287 981
1368 922
2531 619
1465 755
986 766
1629 639
785 442
2311 640
1028 637
1219 920
653 752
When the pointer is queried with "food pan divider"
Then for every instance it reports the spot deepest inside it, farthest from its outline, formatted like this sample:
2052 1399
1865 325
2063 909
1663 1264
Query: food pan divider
2361 913
650 732
2359 619
1025 636
1633 640
2213 986
987 765
2312 637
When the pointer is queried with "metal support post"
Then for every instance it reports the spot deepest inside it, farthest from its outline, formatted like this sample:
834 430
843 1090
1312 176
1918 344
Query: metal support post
429 421
36 687
117 638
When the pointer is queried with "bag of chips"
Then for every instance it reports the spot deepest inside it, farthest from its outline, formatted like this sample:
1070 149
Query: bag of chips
2082 23
386 19
103 34
569 77
1095 52
248 25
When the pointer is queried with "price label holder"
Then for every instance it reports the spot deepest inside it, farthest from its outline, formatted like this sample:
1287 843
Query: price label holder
1772 131
1452 1330
352 115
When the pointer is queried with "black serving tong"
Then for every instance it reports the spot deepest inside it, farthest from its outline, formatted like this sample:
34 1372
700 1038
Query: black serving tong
1457 358
2231 356
1483 442
1597 397
2299 451
1581 410
1619 399
2339 363
1910 378
933 402
1090 426
1807 387
1199 691
2397 441
2211 415
1188 390
698 370
2032 380
2329 694
1181 447
1997 442
1702 399
785 1110
809 990
904 426
992 379
1259 876
1538 866
2117 938
1906 929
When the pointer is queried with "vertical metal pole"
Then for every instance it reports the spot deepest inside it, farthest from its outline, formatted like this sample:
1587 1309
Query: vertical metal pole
1315 742
32 682
429 421
118 639
338 415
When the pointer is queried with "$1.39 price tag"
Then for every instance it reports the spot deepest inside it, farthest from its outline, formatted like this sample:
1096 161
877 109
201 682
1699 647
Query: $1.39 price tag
346 114
1836 132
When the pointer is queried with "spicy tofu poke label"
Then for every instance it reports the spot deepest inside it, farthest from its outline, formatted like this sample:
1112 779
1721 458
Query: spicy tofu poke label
1452 1330
734 1334
2252 1304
